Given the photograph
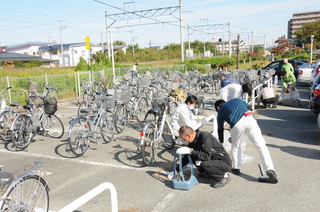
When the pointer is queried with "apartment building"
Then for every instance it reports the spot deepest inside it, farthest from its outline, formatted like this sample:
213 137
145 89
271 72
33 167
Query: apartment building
298 19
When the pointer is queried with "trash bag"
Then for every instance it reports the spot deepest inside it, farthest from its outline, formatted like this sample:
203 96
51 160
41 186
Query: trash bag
290 99
227 145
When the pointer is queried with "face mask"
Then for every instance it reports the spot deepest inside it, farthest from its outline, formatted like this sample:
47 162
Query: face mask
191 107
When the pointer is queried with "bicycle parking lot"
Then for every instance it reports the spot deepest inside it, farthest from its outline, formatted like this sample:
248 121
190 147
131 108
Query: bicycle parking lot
294 148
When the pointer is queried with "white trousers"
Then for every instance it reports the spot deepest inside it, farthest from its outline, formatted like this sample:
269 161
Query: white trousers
249 126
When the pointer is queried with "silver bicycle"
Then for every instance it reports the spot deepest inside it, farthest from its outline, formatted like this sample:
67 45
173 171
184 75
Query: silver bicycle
80 133
157 134
24 189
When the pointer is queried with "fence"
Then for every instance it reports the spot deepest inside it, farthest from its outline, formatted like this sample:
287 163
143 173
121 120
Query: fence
68 85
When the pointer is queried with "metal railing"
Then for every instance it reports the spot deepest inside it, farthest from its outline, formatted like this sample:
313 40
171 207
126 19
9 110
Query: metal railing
91 194
256 93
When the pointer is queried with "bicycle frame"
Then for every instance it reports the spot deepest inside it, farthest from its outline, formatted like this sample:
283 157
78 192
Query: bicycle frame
95 122
158 140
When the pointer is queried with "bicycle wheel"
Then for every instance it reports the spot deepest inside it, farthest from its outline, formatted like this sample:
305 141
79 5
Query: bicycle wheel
5 124
167 135
78 138
199 108
53 126
142 108
30 193
147 150
21 131
121 118
106 127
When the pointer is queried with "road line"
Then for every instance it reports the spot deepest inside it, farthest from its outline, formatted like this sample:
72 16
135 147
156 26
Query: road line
73 160
164 203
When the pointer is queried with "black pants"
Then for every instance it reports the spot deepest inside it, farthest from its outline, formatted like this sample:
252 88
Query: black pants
215 168
272 100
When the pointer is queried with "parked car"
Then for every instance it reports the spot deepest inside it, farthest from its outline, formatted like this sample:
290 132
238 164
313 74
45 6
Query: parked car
315 71
277 65
314 96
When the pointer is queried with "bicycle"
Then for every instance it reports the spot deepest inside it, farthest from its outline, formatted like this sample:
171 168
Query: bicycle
157 134
40 120
80 132
24 190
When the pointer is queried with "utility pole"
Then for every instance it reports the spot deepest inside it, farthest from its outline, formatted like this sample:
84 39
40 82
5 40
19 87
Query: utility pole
181 32
107 34
61 27
238 51
229 47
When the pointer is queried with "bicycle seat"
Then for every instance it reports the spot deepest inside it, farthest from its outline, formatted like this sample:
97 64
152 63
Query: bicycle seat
132 84
14 104
28 106
154 111
6 178
137 95
85 110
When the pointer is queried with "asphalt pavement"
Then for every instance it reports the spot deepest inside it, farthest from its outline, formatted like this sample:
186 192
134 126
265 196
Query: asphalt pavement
290 132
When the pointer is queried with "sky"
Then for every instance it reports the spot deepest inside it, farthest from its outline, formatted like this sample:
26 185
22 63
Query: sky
71 21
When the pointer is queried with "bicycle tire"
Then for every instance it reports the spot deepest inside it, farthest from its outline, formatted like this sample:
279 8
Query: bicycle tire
53 126
30 193
142 108
77 142
199 108
147 150
167 135
5 124
106 127
121 118
20 131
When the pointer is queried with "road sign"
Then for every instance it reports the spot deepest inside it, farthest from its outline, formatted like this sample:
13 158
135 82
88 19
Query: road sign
87 39
88 46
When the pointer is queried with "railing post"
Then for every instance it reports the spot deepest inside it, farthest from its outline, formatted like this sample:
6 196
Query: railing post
91 194
9 93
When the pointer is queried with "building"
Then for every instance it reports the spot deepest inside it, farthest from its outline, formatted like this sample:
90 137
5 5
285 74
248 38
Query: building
72 52
23 58
27 49
223 46
298 19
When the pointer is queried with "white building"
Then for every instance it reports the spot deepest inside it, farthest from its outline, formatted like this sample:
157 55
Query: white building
72 52
27 49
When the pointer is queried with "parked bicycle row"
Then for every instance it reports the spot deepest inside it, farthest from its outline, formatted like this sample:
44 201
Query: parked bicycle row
107 107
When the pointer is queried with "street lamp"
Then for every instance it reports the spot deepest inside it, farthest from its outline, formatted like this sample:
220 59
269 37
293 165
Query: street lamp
311 38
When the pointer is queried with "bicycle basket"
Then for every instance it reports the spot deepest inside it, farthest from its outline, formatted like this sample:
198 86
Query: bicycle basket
159 104
108 101
33 87
50 106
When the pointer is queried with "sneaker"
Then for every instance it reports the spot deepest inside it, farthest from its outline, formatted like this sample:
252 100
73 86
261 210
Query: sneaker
221 183
272 176
236 171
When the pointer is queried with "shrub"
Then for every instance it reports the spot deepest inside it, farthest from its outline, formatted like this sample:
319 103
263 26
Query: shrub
82 65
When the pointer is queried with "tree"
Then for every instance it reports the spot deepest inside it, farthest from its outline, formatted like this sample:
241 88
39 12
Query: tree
283 45
303 35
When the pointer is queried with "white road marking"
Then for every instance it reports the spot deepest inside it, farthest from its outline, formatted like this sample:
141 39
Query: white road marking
74 160
164 203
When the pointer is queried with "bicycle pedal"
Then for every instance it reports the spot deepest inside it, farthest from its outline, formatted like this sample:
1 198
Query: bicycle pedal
98 143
